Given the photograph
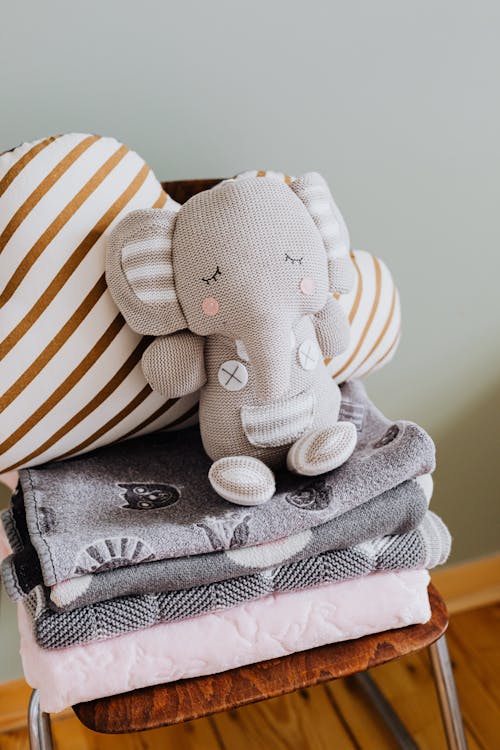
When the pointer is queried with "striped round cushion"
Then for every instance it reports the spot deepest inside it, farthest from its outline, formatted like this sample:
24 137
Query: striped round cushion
70 373
374 313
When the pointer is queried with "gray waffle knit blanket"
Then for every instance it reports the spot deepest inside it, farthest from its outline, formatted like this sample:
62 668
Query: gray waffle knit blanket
426 546
150 499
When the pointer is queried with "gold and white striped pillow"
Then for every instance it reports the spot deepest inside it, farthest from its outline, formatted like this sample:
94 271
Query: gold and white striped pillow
70 373
374 313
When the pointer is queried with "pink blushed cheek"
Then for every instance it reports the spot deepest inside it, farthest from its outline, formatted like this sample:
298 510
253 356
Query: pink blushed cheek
210 306
307 285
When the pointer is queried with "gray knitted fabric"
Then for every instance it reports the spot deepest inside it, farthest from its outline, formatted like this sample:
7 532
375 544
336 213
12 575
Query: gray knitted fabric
150 499
253 261
396 511
427 546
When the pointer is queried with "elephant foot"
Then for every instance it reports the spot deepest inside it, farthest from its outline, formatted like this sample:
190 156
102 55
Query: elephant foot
242 480
322 450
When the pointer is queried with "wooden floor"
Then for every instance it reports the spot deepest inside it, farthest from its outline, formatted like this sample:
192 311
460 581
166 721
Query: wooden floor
335 716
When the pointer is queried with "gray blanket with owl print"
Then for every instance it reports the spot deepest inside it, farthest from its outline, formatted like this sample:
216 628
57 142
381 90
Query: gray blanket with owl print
426 546
150 499
396 511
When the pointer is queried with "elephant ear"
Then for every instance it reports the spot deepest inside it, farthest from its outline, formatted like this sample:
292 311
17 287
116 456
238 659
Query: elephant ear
315 194
139 271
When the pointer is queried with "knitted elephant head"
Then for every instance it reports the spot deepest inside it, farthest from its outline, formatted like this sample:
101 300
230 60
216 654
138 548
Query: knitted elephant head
245 260
237 285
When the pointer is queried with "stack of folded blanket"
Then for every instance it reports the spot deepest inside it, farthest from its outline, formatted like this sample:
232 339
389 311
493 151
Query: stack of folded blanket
133 572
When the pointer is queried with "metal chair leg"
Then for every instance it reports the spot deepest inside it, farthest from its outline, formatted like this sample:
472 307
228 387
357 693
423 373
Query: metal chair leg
388 715
447 694
39 729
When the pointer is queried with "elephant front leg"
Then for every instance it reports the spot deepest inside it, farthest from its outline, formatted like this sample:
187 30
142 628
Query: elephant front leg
322 450
243 480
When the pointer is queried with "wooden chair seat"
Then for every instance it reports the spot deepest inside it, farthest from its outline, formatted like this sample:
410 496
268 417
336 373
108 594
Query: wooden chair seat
193 698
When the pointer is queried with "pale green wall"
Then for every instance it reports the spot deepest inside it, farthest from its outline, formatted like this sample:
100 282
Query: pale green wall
397 103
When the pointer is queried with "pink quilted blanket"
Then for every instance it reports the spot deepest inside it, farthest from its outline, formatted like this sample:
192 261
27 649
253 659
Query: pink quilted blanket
263 629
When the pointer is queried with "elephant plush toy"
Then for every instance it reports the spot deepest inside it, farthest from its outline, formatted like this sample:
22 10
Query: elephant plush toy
239 286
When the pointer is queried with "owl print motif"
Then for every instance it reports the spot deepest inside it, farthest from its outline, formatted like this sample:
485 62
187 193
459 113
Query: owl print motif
148 496
316 496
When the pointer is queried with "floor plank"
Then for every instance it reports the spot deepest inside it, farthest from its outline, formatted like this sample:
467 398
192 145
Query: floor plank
364 725
14 697
409 686
304 720
480 709
476 636
69 734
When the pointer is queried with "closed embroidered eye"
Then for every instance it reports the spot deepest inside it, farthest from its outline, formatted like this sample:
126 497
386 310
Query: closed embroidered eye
213 277
293 260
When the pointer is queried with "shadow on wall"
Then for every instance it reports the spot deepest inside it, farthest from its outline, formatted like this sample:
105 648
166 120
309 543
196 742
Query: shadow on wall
467 478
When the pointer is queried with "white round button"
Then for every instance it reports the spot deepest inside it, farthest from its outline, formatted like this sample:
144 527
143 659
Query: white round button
233 376
309 354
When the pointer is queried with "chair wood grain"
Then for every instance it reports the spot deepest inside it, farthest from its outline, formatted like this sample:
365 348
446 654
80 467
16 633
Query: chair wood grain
184 700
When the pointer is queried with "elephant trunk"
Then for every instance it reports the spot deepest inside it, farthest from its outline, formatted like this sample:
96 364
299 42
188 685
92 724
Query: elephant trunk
269 352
